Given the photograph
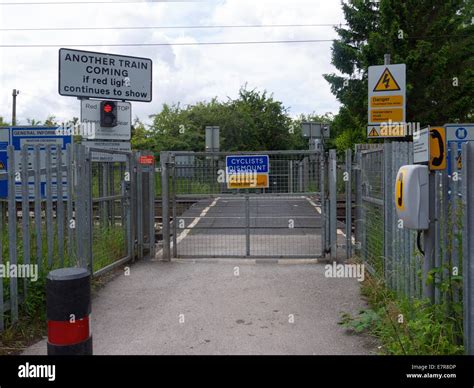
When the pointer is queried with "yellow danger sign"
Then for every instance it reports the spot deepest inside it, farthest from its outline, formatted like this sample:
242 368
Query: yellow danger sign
386 115
2 166
438 152
399 190
386 82
384 101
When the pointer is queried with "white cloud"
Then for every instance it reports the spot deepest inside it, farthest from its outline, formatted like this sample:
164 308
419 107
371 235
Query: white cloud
186 74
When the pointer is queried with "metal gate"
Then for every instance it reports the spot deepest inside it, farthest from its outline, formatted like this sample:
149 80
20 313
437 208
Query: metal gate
203 218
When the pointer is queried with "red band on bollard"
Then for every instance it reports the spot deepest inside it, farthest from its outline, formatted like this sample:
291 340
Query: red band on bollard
68 333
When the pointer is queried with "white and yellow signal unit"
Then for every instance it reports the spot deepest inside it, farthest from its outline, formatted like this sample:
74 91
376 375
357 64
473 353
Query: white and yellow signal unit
412 196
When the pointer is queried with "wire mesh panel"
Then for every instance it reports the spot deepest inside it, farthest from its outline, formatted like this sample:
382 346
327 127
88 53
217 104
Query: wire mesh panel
110 214
372 209
281 220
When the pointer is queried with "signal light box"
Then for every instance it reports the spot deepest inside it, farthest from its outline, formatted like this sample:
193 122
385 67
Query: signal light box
116 115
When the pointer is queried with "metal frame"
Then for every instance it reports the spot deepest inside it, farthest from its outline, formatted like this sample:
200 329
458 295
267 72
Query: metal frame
171 197
42 220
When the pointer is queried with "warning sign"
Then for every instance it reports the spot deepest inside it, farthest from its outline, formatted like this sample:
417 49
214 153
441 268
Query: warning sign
386 82
384 101
2 165
372 132
386 130
459 160
386 93
385 115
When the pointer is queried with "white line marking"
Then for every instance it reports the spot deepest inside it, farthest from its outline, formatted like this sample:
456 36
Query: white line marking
318 208
185 232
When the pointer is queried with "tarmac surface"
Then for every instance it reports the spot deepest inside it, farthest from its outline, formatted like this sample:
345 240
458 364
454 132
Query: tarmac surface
224 307
278 226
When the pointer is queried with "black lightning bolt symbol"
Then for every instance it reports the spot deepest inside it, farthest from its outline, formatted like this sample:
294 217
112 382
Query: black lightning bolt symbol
386 80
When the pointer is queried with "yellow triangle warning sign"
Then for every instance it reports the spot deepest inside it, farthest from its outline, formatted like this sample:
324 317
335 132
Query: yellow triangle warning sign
386 83
373 133
459 161
2 166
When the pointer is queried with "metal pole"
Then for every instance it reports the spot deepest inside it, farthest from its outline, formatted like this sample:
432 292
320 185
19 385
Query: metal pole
388 232
429 241
12 233
165 205
348 204
247 224
14 94
25 210
468 245
151 207
322 197
332 204
386 59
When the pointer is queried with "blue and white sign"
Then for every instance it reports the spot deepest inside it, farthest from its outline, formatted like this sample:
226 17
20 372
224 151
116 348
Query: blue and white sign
247 163
247 171
32 136
458 134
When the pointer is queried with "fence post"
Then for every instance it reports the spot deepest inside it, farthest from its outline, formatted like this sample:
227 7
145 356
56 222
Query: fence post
37 189
388 216
60 204
79 203
322 196
25 211
468 245
164 156
348 179
69 180
139 213
49 206
88 206
151 213
333 204
455 211
358 222
12 237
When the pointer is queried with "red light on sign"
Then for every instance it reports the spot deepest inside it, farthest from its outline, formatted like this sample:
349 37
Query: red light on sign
107 108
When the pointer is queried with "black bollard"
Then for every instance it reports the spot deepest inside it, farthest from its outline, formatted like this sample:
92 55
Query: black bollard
68 307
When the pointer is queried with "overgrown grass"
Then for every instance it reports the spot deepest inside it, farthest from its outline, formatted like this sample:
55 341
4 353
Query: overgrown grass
108 246
408 326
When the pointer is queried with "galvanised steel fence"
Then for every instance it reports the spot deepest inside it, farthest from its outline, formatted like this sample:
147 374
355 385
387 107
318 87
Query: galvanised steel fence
391 251
68 209
284 220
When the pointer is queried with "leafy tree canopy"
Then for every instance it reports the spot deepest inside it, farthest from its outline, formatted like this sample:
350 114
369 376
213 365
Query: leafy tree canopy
435 39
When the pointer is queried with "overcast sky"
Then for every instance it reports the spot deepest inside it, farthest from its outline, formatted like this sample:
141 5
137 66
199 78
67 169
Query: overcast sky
186 74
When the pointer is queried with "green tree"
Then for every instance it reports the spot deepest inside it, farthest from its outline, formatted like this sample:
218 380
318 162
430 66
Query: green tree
252 121
435 39
3 123
33 122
